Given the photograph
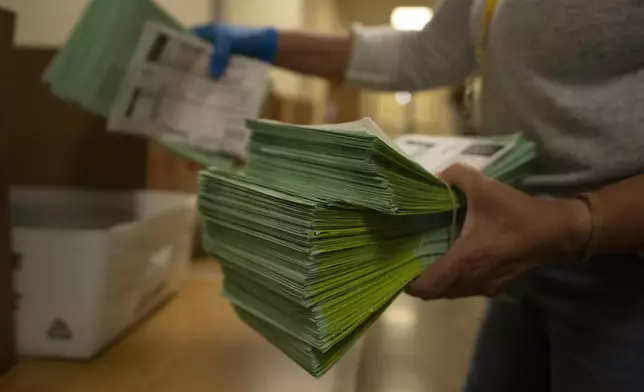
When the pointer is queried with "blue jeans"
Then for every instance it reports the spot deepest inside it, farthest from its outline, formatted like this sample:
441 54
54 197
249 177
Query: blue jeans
577 328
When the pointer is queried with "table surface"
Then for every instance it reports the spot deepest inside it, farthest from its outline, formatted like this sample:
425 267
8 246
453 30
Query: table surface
196 343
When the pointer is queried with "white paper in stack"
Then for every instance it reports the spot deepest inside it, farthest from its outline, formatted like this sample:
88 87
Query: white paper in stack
168 93
437 153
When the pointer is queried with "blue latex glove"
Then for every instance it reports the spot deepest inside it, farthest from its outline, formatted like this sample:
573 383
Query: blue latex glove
257 43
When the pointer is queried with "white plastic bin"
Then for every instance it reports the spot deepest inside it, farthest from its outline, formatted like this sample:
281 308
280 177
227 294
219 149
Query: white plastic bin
94 263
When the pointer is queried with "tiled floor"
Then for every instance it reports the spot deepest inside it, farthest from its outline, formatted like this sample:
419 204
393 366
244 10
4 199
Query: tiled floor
196 344
419 347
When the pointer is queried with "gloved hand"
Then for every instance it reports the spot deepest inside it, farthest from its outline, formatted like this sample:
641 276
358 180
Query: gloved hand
258 43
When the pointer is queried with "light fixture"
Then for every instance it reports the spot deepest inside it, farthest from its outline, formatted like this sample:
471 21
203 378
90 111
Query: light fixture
403 98
411 18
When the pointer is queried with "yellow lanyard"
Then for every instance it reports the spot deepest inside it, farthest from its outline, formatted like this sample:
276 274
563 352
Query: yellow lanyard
490 8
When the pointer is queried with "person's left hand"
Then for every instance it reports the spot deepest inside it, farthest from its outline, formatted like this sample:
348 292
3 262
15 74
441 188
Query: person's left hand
258 43
506 233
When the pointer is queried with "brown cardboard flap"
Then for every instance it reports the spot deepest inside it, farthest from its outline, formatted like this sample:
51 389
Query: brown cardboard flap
6 262
56 143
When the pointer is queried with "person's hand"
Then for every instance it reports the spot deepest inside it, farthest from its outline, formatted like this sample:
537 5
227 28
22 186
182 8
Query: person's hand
505 234
257 43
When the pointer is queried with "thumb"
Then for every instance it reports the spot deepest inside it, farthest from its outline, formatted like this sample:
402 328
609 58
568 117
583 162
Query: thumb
463 177
438 278
220 57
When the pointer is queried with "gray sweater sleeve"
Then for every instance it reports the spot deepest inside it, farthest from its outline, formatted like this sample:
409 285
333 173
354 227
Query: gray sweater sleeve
441 54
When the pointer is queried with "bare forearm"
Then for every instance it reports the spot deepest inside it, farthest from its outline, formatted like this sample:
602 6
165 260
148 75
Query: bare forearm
314 54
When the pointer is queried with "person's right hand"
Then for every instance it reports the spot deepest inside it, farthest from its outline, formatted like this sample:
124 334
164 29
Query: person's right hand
506 233
258 43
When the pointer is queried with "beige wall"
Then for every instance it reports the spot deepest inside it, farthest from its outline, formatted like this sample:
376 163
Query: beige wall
48 22
285 14
188 12
433 115
321 16
374 12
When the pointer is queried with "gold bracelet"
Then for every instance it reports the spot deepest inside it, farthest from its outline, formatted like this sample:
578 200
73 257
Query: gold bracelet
596 224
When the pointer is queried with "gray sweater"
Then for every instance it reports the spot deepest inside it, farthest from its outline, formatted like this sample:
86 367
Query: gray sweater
569 74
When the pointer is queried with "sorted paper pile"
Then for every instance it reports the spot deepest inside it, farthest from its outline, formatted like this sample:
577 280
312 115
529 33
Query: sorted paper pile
328 226
358 164
354 163
305 273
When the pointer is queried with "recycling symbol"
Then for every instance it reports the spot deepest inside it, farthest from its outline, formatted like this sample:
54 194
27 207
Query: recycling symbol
59 330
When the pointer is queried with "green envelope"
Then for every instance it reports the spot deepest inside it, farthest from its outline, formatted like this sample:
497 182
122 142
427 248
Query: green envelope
89 69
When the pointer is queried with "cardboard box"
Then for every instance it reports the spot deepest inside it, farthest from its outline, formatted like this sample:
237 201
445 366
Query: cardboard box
6 262
93 264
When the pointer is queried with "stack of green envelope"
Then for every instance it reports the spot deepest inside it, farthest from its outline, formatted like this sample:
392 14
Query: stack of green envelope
89 69
326 227
306 273
357 163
